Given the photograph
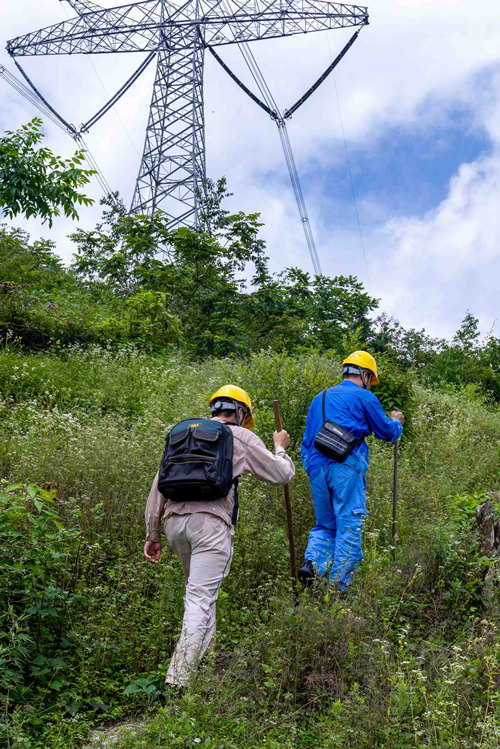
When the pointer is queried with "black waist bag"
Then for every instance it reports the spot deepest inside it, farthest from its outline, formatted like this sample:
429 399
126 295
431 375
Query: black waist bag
197 463
333 440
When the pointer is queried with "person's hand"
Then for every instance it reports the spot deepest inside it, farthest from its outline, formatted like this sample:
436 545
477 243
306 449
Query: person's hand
398 415
152 551
281 439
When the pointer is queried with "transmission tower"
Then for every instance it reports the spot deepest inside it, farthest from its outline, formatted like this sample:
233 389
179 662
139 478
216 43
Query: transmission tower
172 170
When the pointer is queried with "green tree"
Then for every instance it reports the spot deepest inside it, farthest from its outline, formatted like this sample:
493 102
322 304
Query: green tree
441 363
36 182
291 311
467 360
490 361
122 249
195 269
237 231
130 251
43 303
22 262
339 307
408 348
199 272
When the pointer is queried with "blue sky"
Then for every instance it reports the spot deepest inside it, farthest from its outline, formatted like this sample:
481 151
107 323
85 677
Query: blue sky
408 169
419 102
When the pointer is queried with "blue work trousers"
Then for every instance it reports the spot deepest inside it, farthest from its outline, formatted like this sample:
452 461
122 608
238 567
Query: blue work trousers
339 496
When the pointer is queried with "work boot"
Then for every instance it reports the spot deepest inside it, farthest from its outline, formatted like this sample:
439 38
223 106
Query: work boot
306 573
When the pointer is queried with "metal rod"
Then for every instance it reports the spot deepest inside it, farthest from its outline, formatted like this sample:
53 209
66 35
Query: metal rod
288 505
394 499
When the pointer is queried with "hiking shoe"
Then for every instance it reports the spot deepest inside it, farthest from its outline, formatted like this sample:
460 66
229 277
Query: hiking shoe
306 573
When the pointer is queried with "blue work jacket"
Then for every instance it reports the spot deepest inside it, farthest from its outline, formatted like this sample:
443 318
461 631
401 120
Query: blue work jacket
353 408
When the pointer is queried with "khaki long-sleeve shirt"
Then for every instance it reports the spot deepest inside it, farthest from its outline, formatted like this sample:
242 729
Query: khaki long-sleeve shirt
250 455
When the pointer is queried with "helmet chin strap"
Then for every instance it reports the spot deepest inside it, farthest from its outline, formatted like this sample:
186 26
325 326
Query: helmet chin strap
365 384
245 414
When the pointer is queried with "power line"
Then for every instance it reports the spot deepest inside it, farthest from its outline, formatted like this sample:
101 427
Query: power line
285 144
173 161
113 100
39 102
348 161
270 106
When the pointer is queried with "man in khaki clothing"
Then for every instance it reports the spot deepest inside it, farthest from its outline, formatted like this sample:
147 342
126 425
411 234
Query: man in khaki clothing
201 532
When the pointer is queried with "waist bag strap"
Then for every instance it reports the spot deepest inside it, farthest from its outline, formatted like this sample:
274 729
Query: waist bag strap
359 440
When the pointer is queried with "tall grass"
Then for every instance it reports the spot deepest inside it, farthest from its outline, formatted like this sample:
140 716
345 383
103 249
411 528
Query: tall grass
410 658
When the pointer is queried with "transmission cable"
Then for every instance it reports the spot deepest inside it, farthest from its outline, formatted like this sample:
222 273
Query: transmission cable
70 128
348 160
288 112
33 99
85 127
107 92
275 114
240 83
272 107
37 100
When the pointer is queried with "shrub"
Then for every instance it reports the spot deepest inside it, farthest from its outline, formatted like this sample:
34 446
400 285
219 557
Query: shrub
35 589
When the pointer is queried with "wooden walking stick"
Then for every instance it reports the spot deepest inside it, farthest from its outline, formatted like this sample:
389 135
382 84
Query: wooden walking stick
394 499
288 505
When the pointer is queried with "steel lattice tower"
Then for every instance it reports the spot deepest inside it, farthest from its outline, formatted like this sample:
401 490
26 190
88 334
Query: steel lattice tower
172 168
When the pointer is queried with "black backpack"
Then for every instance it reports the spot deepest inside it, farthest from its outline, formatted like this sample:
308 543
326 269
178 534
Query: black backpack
197 463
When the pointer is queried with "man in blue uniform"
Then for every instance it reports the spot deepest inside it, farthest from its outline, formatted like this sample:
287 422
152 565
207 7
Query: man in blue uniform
339 489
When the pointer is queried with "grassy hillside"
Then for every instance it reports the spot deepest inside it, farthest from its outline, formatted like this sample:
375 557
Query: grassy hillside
410 658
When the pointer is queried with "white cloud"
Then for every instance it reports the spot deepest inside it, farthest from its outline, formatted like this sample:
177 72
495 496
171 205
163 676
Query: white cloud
449 260
415 61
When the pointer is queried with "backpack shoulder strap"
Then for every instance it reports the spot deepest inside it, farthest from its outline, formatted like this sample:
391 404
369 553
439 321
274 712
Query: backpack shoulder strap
236 506
359 440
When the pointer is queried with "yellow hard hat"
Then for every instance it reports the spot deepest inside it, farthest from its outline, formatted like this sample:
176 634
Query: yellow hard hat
236 394
365 360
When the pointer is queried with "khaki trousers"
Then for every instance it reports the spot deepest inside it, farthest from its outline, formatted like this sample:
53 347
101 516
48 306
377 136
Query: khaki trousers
204 545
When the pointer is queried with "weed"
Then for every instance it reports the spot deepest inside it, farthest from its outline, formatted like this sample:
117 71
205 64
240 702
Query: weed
407 660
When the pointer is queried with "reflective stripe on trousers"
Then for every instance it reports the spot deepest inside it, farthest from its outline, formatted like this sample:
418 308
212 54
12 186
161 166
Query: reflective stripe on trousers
339 497
204 545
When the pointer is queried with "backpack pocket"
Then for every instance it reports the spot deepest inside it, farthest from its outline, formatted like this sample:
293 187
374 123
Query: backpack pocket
198 461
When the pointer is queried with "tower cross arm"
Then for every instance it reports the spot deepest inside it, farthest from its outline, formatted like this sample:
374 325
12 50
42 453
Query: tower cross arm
82 6
137 27
251 20
128 28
